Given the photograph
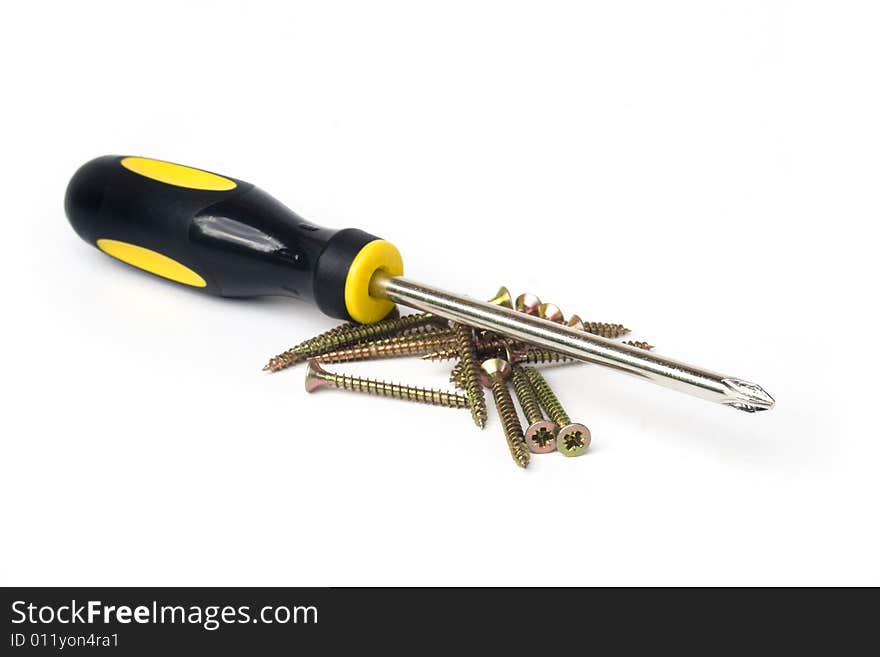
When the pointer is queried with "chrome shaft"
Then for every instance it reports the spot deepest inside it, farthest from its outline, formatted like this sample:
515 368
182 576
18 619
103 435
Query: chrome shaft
695 381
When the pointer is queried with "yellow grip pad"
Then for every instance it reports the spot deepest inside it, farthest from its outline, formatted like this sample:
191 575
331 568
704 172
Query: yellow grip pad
374 256
177 174
151 261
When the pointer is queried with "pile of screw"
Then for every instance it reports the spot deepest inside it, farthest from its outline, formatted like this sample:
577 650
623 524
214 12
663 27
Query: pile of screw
484 359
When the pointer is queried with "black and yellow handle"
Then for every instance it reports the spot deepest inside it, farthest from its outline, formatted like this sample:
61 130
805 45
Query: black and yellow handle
224 236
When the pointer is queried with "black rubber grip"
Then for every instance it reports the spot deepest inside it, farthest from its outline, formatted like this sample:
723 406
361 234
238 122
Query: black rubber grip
238 240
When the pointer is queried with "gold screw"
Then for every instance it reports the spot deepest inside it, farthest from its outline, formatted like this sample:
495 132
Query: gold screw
495 371
551 312
527 303
605 330
531 305
467 353
540 435
349 334
317 377
299 352
456 378
517 356
573 438
640 344
535 356
502 298
401 345
483 345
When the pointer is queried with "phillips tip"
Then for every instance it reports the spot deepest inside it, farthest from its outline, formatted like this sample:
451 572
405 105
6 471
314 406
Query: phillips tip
746 396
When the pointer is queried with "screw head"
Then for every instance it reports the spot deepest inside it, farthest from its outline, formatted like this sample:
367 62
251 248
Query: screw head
515 353
527 303
551 311
573 439
502 298
541 437
492 368
313 376
575 322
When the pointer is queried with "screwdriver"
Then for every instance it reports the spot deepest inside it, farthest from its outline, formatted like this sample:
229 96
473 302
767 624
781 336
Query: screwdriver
229 238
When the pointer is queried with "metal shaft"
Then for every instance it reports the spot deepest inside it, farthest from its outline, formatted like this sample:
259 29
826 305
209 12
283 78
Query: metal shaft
730 391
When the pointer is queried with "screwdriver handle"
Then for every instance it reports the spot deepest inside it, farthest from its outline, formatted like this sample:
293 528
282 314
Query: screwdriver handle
224 236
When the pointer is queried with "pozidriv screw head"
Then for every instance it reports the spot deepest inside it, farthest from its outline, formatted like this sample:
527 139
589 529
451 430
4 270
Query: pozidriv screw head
573 439
494 367
541 437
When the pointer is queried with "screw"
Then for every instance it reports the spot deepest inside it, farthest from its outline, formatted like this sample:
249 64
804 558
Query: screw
400 345
573 438
484 345
349 334
531 305
551 311
527 303
534 356
456 377
493 374
605 329
639 344
467 354
540 434
299 352
316 377
502 298
518 354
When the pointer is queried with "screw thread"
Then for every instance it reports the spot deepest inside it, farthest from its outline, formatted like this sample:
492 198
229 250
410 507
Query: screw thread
606 330
470 367
396 390
547 397
456 377
530 357
484 347
442 354
321 337
349 334
300 352
401 345
536 356
640 344
510 422
528 400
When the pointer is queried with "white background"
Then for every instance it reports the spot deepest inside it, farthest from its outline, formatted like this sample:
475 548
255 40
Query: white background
706 172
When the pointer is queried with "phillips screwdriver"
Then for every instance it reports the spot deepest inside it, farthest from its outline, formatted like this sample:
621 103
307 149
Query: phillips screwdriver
229 238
